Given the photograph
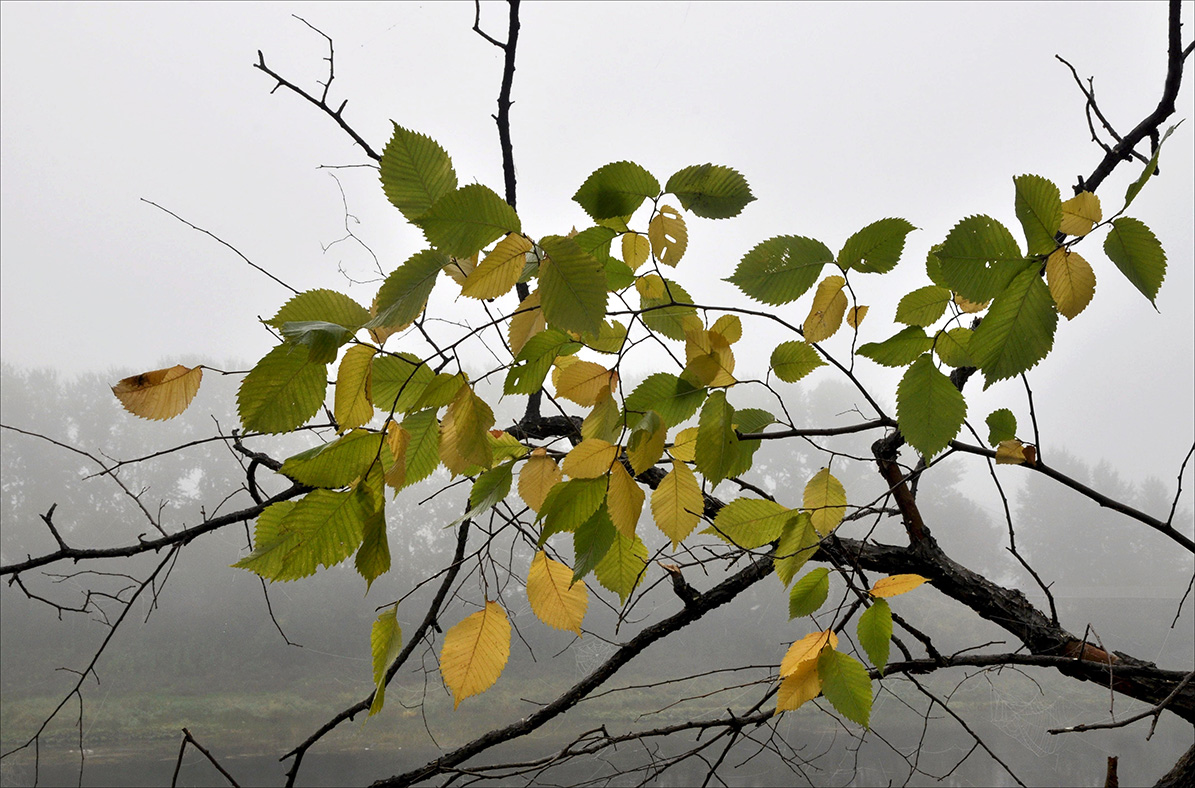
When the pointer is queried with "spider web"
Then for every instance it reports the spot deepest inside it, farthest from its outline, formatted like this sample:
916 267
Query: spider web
1024 714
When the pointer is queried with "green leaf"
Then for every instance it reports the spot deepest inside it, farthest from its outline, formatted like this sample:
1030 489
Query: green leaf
710 191
440 390
572 286
794 360
404 293
322 528
398 381
781 269
899 349
609 338
569 504
534 361
623 567
933 267
846 685
465 221
929 409
747 420
923 306
1002 426
1018 330
674 399
646 444
979 258
1039 209
1136 186
322 339
951 347
423 450
373 558
385 644
798 542
717 444
616 190
326 305
595 241
875 632
490 489
809 593
876 248
415 172
282 391
591 541
335 464
667 320
751 522
1138 254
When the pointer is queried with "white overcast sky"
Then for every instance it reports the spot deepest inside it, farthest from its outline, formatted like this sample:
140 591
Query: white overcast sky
838 115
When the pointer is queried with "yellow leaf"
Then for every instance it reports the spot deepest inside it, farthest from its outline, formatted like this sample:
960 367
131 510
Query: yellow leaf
475 652
1071 281
668 236
969 307
730 327
1080 213
896 585
582 381
800 686
825 500
160 394
464 432
646 447
555 599
684 447
1010 452
635 250
825 315
855 316
353 404
604 421
397 439
676 504
590 459
538 475
806 649
527 321
459 268
499 270
650 286
709 357
624 500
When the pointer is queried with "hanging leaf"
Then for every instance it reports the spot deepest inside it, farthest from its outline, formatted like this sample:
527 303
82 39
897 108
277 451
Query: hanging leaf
1080 214
798 542
616 190
1138 254
799 687
582 381
895 585
463 432
500 269
373 557
554 598
624 501
825 500
781 269
459 269
354 397
1010 452
684 446
474 653
321 529
536 358
322 339
809 593
527 321
846 685
636 249
1002 426
623 567
385 644
592 539
825 314
676 504
923 306
951 347
979 258
468 219
710 191
282 391
875 633
605 420
708 357
676 400
423 449
161 394
655 295
876 248
794 360
929 409
569 504
538 475
590 459
668 235
1039 210
399 381
398 440
855 315
806 649
750 523
404 294
415 172
1071 282
898 350
646 445
1136 186
1018 330
335 464
717 443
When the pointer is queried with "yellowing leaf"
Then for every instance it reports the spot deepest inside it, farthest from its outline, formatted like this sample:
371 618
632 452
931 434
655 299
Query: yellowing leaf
499 270
825 500
475 652
582 381
527 321
624 501
1080 213
895 585
353 404
464 432
635 250
855 315
590 459
160 394
555 599
397 439
806 649
825 315
385 643
538 475
459 269
969 307
1010 452
676 504
798 687
668 236
646 445
1071 281
684 447
728 326
708 357
605 420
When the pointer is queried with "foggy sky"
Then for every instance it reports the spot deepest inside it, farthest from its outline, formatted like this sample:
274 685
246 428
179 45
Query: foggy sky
837 115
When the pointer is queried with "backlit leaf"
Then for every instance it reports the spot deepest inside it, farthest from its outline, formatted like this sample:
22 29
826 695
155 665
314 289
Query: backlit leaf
569 504
929 409
684 446
717 443
590 459
900 349
624 500
1071 282
322 339
877 247
979 258
1136 186
676 504
500 269
322 529
592 539
798 542
415 172
463 432
527 321
335 464
535 359
1080 213
655 295
1137 253
468 219
751 522
423 448
373 558
1039 210
673 398
799 687
398 381
623 567
855 315
668 235
636 249
538 475
1010 452
708 357
809 593
1002 426
572 286
825 500
895 585
605 420
160 394
646 445
923 306
806 649
794 360
781 269
404 294
825 314
475 651
282 391
846 684
875 632
1018 330
385 644
616 189
329 306
354 397
582 381
554 598
710 191
951 347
